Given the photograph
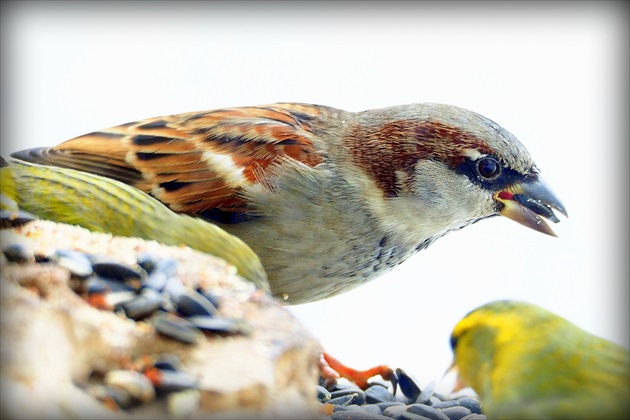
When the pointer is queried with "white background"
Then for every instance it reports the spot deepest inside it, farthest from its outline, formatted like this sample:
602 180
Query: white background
553 75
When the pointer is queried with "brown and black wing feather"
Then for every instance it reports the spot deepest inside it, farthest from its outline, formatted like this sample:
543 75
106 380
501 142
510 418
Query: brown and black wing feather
196 163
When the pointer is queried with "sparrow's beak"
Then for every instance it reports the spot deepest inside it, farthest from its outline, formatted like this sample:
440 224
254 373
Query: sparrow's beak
527 201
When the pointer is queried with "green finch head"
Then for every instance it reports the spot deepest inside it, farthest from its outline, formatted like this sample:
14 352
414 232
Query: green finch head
525 361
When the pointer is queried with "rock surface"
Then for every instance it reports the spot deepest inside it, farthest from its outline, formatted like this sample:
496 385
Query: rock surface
53 340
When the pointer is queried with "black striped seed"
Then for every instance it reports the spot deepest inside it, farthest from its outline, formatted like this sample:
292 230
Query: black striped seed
12 219
18 253
174 381
78 263
407 385
224 326
113 270
377 394
142 306
191 303
177 328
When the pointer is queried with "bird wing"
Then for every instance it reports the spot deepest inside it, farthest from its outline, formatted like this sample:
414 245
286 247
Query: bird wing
196 163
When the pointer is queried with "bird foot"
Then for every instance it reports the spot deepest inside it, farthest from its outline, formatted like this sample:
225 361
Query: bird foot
332 369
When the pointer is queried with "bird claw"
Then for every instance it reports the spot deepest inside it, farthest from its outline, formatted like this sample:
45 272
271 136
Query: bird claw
332 369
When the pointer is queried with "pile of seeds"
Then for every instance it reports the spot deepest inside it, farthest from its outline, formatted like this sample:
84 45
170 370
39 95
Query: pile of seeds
377 402
144 381
152 292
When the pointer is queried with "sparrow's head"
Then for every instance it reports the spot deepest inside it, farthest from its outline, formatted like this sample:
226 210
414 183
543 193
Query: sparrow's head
442 168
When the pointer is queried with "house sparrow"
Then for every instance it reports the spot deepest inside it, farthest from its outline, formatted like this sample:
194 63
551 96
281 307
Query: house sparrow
526 362
327 199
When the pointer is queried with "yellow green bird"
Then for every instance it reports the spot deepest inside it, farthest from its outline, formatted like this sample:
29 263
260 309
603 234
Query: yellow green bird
109 206
526 362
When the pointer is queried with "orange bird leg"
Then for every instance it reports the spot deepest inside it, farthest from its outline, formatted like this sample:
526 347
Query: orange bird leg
327 373
359 377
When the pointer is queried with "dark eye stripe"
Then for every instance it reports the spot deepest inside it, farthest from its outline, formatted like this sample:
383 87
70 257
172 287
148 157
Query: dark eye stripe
506 177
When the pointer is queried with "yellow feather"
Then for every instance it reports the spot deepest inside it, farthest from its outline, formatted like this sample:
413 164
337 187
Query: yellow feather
526 362
105 205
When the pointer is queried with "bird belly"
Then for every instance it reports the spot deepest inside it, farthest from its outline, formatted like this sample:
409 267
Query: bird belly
317 240
319 260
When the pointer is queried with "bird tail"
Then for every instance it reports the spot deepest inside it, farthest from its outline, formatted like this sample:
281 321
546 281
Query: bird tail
8 188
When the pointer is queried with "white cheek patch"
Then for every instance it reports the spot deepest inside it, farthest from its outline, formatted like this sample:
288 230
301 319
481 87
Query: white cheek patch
226 168
447 199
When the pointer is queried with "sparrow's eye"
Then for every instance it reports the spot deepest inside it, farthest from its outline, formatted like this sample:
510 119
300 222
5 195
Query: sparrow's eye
488 168
489 172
